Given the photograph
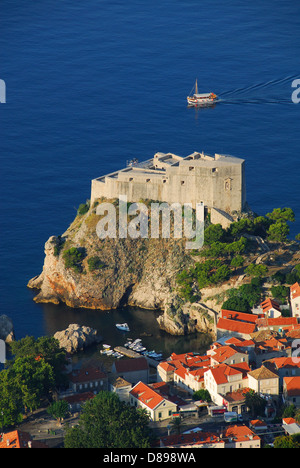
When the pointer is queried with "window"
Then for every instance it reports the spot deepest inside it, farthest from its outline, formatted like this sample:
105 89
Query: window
159 415
147 180
191 168
182 182
130 179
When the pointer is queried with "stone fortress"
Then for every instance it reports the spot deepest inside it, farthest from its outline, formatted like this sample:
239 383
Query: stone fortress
217 181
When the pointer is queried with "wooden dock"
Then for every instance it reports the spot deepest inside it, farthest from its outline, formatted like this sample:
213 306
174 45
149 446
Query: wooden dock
132 354
127 352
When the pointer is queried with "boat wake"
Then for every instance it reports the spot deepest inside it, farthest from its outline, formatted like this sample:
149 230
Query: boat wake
260 93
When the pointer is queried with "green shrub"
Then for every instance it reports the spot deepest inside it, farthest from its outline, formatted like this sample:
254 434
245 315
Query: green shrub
83 208
256 270
95 263
280 292
73 258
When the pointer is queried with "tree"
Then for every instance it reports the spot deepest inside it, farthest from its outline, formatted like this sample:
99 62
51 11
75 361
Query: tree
220 275
213 233
289 411
286 442
243 225
106 422
237 262
237 303
278 231
285 214
176 425
237 247
83 208
202 394
10 401
43 347
256 270
255 403
33 379
58 409
280 292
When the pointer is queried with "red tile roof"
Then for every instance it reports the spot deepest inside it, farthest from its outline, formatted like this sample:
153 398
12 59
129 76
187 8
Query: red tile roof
240 433
295 291
284 363
223 353
288 420
19 439
236 326
258 423
167 366
197 438
131 365
147 395
269 304
79 397
292 386
223 371
88 374
240 316
282 321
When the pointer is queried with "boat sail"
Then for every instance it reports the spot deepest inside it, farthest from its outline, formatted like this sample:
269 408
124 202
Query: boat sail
204 99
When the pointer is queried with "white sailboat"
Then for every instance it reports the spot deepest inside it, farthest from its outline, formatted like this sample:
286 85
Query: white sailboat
204 99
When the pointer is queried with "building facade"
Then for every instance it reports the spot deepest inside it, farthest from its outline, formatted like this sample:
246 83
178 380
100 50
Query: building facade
218 181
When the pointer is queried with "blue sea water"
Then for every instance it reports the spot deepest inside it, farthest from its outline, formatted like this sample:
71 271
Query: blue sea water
91 84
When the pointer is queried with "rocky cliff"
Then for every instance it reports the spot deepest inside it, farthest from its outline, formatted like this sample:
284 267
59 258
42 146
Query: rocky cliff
109 273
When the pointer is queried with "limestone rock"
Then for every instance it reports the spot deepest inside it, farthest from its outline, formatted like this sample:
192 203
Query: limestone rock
76 337
137 272
6 329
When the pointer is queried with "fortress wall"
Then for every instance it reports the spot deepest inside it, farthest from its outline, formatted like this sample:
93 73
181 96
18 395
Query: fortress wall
217 182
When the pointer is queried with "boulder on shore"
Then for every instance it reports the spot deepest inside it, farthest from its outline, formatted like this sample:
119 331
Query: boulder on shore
6 329
77 337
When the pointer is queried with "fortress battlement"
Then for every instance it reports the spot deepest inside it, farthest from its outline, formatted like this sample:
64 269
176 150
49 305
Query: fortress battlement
218 181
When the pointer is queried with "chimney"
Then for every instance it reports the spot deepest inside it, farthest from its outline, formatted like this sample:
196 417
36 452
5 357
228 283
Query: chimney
7 442
30 444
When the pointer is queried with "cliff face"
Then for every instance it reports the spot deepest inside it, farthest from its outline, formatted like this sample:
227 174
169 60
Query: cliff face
138 272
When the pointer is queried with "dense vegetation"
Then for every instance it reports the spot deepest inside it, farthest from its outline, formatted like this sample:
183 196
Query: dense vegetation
225 253
30 378
107 422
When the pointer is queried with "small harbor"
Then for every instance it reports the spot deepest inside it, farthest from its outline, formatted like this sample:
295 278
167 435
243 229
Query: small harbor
132 349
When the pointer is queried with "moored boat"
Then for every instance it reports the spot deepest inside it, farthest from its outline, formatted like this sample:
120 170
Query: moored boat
122 326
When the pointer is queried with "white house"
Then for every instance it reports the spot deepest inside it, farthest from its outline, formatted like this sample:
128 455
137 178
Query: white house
223 379
158 407
295 299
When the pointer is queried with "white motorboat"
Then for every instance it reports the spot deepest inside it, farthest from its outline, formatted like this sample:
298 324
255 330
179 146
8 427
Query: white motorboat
122 326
